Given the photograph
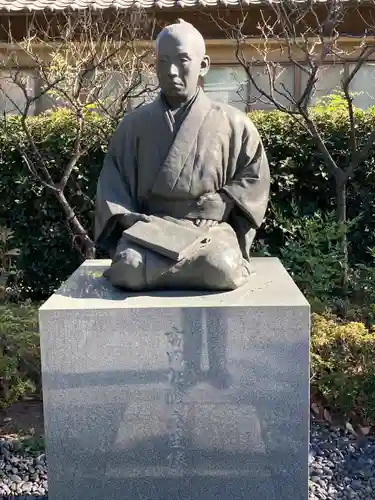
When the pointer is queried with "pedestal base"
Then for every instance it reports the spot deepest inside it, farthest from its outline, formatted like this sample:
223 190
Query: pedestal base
166 396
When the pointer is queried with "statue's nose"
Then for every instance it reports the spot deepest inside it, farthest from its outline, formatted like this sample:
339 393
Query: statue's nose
173 70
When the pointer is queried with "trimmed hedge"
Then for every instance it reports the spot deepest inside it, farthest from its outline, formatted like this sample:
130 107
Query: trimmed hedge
300 185
20 373
40 231
342 367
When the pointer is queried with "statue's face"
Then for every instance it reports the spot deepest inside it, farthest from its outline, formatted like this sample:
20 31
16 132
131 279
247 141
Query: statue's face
179 64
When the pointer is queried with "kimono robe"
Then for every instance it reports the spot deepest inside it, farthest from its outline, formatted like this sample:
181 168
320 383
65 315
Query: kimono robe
156 168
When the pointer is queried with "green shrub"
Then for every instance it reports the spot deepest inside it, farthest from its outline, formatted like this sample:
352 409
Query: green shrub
40 231
299 177
311 254
342 365
19 352
300 187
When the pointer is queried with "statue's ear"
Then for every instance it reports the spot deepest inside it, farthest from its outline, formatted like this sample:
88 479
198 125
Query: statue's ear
205 66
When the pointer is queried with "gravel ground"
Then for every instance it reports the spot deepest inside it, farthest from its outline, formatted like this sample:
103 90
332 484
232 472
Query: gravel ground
341 467
21 475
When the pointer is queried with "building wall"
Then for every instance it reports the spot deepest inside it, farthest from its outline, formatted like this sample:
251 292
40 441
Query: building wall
227 80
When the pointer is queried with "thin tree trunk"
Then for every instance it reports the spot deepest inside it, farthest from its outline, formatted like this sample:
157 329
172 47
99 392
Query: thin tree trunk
82 239
341 185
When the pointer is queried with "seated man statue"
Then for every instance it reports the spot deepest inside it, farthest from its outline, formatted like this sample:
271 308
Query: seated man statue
189 160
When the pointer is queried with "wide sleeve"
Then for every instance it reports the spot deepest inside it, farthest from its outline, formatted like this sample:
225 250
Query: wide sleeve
116 186
249 187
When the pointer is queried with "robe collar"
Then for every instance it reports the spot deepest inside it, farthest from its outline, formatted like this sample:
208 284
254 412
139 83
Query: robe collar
175 117
183 143
187 104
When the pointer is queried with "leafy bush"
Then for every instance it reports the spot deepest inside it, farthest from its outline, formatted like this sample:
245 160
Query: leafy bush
300 187
343 372
311 253
19 352
40 232
9 275
342 365
299 177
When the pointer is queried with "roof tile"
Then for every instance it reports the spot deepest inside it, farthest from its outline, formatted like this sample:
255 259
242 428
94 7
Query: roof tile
33 5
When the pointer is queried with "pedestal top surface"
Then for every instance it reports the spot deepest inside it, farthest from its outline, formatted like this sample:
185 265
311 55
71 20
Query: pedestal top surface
269 285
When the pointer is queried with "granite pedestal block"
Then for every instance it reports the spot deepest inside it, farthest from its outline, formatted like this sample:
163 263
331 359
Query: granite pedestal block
173 395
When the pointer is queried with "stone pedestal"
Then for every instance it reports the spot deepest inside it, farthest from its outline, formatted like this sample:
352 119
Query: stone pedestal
173 395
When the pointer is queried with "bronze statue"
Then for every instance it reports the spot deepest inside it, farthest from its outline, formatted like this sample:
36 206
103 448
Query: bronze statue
196 164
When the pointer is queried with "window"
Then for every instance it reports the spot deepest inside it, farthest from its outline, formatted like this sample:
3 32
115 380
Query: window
111 88
227 84
104 89
115 85
12 99
147 91
230 84
329 79
50 100
282 84
364 83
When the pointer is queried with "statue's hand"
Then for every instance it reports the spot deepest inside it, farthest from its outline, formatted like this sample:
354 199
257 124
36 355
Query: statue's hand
205 223
128 220
220 196
225 201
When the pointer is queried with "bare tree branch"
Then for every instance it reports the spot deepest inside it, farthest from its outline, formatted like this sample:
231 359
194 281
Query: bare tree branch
307 35
85 61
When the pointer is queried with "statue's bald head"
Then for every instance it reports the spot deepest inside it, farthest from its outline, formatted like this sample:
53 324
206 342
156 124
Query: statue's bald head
180 60
182 31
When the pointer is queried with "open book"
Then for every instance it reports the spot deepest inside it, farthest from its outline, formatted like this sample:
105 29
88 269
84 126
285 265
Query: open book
167 238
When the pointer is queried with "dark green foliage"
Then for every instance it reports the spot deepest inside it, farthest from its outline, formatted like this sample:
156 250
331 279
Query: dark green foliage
342 367
300 228
311 254
300 178
40 230
19 352
301 186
